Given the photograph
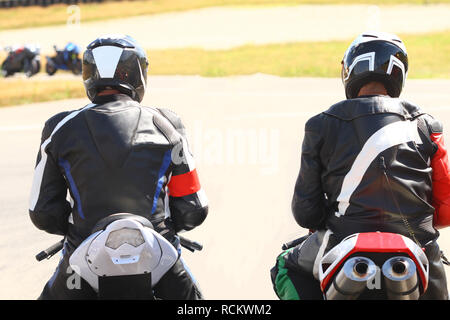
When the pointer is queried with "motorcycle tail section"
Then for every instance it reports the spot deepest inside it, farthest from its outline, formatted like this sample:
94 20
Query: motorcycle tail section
123 251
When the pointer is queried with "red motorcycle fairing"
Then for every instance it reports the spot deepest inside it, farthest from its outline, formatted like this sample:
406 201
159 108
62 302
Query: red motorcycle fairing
19 50
370 242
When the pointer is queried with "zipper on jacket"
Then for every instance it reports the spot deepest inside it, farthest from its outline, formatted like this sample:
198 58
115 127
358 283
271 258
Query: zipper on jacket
397 205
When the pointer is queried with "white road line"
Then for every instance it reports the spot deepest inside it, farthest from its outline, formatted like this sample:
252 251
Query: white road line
438 108
254 93
302 114
243 116
21 128
269 115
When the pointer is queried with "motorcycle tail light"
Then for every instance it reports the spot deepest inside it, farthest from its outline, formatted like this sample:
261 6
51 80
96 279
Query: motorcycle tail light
125 235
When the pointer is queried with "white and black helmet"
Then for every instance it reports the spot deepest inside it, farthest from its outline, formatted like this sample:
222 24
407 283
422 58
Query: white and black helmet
378 57
118 62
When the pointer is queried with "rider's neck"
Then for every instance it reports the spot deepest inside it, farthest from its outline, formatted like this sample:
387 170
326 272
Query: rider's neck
108 92
373 88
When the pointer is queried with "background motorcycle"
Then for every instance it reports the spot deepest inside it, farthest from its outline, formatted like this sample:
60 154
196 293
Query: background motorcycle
66 59
124 257
23 59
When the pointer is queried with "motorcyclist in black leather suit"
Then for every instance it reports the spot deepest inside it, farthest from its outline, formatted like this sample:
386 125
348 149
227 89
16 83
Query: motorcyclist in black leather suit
369 163
116 156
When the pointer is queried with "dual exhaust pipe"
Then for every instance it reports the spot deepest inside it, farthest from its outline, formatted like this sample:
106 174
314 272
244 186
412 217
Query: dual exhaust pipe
399 273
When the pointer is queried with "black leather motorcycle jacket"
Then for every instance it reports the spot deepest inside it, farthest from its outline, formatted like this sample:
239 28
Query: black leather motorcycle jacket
115 156
365 167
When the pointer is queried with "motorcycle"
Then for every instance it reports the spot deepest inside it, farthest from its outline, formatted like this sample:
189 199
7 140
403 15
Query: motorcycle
374 265
123 258
22 59
66 59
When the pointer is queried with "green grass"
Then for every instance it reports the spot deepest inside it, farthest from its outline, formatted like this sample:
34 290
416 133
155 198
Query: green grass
317 59
28 17
428 58
428 55
24 91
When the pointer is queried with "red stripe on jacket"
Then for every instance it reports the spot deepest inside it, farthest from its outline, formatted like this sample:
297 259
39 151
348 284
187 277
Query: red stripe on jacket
441 183
184 184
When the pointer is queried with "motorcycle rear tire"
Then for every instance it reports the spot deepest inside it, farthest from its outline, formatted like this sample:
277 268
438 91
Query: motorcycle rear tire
77 68
4 72
34 68
50 70
38 66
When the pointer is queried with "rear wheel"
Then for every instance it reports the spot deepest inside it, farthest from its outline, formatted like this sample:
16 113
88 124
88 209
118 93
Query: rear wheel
38 66
50 69
4 71
34 68
76 69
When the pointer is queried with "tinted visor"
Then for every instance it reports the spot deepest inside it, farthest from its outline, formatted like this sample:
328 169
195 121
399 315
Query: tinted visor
130 70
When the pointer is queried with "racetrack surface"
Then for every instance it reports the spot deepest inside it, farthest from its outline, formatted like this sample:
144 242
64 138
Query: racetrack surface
227 27
245 133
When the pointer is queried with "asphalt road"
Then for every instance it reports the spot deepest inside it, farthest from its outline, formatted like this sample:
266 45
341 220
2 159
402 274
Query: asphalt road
227 27
246 135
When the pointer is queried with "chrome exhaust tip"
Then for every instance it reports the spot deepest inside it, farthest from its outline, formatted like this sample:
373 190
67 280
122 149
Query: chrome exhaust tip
352 279
400 278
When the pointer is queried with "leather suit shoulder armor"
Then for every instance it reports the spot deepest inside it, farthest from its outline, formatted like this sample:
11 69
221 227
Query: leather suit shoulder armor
174 119
351 109
52 122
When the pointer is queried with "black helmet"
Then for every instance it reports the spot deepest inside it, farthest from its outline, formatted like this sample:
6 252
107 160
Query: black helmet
375 57
118 62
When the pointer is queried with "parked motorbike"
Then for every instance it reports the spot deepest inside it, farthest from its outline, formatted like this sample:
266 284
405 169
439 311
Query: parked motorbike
374 265
66 59
123 258
21 59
